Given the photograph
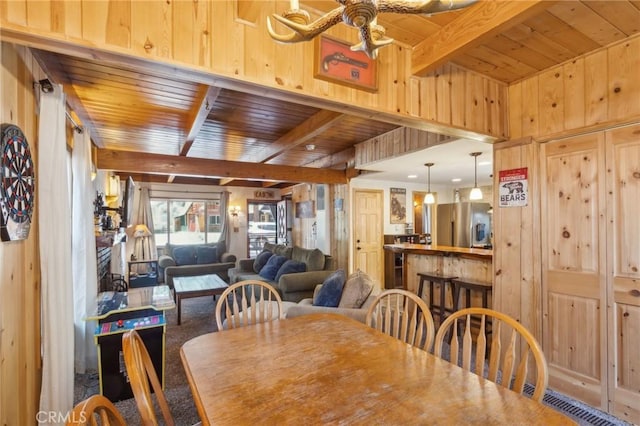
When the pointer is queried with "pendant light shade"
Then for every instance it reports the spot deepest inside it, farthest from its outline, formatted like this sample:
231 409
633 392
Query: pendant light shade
429 198
476 193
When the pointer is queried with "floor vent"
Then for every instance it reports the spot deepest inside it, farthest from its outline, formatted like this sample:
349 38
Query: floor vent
580 412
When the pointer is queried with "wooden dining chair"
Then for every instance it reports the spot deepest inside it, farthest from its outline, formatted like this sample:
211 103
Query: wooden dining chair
248 302
403 315
93 411
141 371
457 331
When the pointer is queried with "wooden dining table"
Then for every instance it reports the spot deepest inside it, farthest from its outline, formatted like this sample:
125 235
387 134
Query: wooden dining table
330 369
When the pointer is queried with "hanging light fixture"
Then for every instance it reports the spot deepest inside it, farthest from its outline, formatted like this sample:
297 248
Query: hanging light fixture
429 198
361 14
476 193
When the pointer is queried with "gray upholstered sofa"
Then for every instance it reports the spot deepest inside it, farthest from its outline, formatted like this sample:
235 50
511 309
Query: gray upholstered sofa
357 296
293 287
199 259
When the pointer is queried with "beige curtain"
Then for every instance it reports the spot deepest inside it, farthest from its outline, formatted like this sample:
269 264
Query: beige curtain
85 280
225 234
54 224
146 245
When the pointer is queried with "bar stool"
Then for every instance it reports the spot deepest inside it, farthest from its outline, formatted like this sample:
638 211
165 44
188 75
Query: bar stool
437 278
468 286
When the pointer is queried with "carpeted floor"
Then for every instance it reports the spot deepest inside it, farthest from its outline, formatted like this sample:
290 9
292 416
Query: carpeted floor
198 318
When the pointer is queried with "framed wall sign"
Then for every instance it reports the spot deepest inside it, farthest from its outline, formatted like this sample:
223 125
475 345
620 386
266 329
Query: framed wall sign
513 188
305 209
262 194
398 197
335 62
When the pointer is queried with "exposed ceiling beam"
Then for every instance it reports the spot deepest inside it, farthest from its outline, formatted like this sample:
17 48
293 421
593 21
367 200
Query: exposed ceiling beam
339 158
197 118
31 39
478 23
135 162
71 98
188 180
308 129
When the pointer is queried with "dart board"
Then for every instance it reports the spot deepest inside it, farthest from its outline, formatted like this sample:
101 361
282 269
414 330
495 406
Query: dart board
17 184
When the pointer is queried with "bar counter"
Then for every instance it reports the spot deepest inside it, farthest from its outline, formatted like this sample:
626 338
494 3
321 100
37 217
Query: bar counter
472 264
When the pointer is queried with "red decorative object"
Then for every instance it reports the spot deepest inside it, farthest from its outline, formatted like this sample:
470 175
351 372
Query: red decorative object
335 62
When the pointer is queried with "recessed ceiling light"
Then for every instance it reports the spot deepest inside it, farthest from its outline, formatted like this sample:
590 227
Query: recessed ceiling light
310 147
412 176
456 180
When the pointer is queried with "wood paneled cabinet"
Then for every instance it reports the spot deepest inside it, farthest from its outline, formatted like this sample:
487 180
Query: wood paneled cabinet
590 189
393 261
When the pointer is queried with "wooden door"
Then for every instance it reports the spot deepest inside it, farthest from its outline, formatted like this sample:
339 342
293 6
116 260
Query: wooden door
623 232
368 234
574 266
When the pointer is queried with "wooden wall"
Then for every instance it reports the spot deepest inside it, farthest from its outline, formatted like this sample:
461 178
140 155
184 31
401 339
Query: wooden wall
570 307
229 39
20 363
516 243
594 91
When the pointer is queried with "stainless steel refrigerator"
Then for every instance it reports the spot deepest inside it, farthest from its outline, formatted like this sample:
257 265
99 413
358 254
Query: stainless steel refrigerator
463 224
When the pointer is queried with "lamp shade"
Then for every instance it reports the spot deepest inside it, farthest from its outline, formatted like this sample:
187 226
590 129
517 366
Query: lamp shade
475 194
141 230
429 198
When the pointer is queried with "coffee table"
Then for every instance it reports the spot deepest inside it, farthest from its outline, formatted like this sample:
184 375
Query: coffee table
196 286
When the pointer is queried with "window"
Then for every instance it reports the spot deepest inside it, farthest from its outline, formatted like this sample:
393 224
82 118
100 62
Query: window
261 222
186 221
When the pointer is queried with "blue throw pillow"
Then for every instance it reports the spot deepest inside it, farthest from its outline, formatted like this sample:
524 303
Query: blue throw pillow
206 254
261 260
289 267
270 270
184 255
331 290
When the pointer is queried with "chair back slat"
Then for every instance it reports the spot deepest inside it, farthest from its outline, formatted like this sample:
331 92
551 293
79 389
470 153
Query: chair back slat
251 302
512 364
453 351
403 315
481 346
405 324
509 360
496 351
523 370
467 345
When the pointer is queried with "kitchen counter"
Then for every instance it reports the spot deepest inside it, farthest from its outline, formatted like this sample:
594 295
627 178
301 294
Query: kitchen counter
473 264
428 249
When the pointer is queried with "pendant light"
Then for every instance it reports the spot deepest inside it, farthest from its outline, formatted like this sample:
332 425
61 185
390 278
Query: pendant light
429 198
476 193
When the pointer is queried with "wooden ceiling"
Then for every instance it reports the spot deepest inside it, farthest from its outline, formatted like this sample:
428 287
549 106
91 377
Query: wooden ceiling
136 110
